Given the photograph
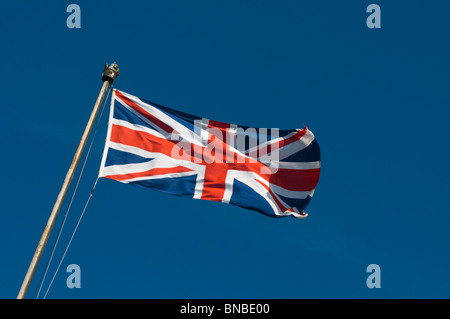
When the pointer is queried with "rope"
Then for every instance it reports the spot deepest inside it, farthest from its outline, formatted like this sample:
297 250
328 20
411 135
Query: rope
70 205
70 241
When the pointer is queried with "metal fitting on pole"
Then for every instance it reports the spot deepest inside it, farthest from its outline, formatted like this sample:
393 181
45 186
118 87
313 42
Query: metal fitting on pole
110 73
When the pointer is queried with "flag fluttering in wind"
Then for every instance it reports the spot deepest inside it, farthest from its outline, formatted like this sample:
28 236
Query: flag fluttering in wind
272 171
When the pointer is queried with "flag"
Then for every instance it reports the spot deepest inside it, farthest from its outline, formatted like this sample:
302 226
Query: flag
272 171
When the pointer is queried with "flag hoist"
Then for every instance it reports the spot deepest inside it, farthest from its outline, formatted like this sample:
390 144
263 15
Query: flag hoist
109 75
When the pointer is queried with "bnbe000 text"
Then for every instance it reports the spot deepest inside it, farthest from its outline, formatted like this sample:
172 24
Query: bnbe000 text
246 308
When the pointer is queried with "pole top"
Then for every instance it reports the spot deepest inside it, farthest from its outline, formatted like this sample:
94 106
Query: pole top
110 72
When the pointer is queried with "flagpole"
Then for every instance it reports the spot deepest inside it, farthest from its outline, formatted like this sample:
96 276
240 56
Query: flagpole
109 75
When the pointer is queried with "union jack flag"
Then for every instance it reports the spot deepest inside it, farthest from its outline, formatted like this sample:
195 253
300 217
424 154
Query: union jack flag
274 172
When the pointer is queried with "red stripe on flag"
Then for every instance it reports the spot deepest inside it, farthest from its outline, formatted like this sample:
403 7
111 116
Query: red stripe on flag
283 142
144 141
296 179
151 172
214 182
151 143
144 113
293 138
279 204
217 124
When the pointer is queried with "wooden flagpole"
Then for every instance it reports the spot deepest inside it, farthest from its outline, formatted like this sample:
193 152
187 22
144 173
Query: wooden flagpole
109 75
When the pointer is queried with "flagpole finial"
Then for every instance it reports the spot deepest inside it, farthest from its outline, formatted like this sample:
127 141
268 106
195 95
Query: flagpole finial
110 72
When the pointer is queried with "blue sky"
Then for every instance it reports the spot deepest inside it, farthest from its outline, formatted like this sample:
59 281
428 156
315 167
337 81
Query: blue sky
377 101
